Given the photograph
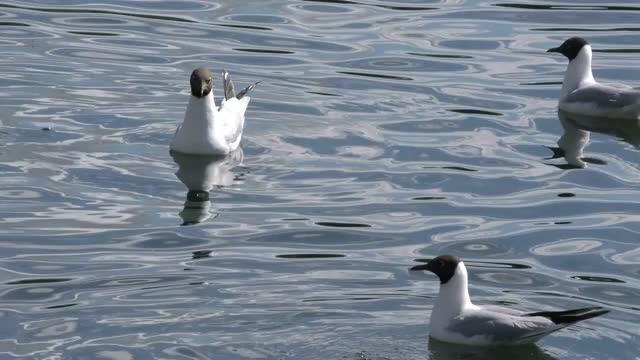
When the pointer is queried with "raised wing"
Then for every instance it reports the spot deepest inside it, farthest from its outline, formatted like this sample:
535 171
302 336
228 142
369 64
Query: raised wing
229 93
244 92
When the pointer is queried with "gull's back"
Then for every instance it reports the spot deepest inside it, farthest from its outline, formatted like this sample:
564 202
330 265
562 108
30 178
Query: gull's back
492 326
603 100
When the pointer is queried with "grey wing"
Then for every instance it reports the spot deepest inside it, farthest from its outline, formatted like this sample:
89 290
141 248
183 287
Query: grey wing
501 328
229 93
604 96
244 92
503 310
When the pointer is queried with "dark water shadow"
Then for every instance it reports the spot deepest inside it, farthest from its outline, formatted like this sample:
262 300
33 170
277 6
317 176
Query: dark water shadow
383 6
309 256
558 153
38 281
342 224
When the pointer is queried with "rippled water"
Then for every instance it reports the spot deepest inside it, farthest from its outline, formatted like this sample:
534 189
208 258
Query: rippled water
383 132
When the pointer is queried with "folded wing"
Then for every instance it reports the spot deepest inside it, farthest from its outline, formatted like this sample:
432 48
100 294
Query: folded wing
604 97
497 328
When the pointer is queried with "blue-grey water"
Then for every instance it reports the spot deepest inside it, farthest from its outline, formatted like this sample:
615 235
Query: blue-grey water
383 132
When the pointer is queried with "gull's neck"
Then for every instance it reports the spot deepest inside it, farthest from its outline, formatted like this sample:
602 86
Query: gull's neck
578 72
454 295
200 111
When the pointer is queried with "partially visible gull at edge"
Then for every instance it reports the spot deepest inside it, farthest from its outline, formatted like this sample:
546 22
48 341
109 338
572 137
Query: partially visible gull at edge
455 319
582 94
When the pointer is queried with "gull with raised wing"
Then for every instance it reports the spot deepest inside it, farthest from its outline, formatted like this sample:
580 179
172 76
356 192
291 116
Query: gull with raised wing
208 129
455 319
582 94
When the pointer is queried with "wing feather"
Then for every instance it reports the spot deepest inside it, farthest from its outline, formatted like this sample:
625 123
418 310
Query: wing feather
231 115
229 93
501 328
605 97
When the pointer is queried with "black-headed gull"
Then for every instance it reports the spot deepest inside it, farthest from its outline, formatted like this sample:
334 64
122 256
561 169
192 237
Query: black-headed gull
455 319
582 94
207 129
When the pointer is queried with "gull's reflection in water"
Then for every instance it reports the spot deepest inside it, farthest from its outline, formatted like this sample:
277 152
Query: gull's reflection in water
439 350
572 141
200 174
577 130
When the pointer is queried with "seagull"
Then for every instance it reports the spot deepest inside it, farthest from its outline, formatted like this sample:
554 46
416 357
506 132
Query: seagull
581 94
207 129
455 319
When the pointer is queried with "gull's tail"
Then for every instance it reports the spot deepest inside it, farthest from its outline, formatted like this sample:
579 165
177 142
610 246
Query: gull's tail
570 316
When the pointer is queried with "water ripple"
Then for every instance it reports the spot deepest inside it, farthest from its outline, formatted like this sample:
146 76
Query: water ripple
383 131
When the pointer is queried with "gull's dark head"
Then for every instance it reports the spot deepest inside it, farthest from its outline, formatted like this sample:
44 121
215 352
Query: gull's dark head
201 82
571 47
444 266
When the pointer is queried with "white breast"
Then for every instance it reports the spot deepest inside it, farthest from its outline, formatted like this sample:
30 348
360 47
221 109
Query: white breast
209 131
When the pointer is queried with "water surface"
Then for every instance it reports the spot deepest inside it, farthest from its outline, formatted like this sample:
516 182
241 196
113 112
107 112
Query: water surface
383 132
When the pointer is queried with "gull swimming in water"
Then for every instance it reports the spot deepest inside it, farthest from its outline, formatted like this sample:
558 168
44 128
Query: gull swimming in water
455 319
207 129
582 94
